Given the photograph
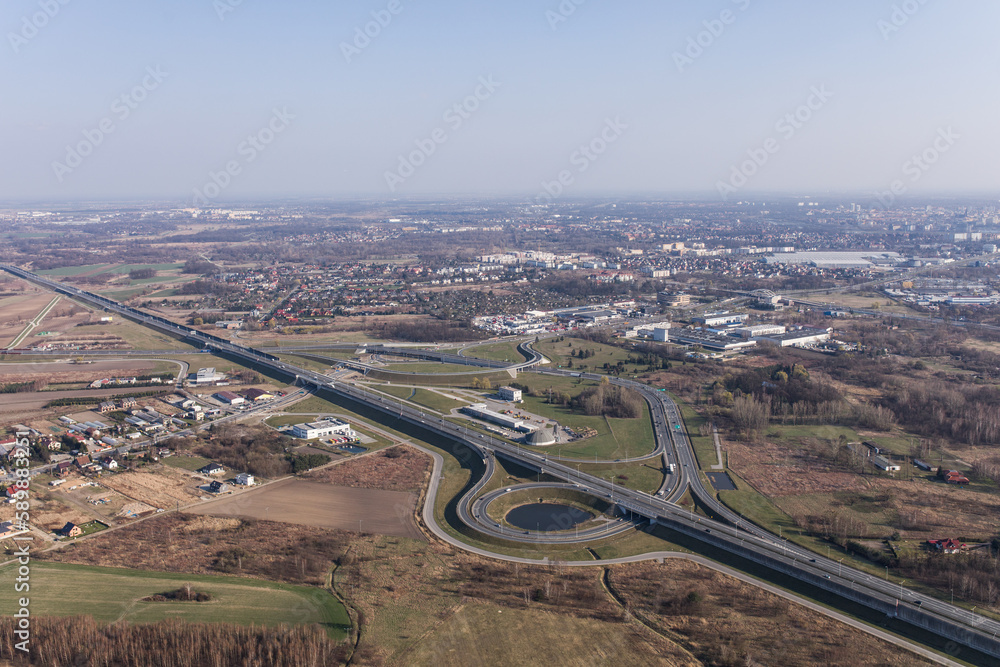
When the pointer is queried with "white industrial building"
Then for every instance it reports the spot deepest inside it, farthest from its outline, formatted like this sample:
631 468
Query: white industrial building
757 330
725 319
798 337
323 429
509 394
481 411
661 332
208 376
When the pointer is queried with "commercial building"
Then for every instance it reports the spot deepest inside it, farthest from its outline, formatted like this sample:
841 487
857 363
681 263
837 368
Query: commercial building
673 300
207 376
724 319
709 340
481 411
229 397
798 337
323 429
509 394
661 332
757 330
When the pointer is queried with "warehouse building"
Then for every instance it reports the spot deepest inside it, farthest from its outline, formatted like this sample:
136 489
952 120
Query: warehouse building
480 411
798 337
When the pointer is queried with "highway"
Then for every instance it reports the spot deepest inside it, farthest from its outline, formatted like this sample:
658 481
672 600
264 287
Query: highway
728 531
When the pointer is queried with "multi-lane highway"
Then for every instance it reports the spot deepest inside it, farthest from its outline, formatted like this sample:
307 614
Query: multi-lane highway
726 531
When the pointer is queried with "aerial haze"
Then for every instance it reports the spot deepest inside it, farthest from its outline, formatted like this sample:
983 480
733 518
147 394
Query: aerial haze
694 88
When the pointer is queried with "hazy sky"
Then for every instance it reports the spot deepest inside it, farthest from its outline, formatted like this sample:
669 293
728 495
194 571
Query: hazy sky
201 77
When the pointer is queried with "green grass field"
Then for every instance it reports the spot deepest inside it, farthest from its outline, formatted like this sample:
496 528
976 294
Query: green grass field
560 353
646 477
615 439
704 445
496 352
432 367
66 271
424 397
113 594
185 462
125 268
92 527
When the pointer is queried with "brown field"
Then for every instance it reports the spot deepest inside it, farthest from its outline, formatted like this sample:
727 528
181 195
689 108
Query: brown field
399 468
426 602
62 369
163 490
942 509
324 506
777 471
747 622
189 543
27 402
430 604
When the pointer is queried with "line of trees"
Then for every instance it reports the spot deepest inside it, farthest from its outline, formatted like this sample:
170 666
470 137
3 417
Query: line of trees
80 640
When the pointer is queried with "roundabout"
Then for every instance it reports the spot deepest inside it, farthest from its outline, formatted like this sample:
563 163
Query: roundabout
548 513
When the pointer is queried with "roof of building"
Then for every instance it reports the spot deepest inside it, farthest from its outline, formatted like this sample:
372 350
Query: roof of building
542 436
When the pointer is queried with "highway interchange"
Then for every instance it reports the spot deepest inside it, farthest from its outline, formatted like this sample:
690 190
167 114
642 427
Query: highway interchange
725 530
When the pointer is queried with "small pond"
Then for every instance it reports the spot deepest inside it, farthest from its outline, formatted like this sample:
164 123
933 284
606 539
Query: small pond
547 516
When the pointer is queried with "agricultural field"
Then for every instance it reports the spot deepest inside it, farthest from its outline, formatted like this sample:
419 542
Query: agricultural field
114 595
322 505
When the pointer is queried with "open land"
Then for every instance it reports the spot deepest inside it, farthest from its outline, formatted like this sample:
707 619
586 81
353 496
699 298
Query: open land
323 505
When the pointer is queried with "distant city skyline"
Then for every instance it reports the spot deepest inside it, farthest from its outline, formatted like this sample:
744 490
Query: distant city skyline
211 102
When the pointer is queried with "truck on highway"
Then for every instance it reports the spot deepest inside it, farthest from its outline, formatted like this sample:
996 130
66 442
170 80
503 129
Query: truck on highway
671 467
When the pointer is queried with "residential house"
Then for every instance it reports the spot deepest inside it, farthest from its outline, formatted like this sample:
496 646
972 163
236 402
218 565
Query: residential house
212 469
106 406
71 530
948 546
9 529
244 479
218 487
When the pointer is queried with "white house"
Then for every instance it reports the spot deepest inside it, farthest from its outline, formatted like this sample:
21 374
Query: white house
244 479
509 394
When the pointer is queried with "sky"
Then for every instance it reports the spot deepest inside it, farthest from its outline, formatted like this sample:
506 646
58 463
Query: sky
207 101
